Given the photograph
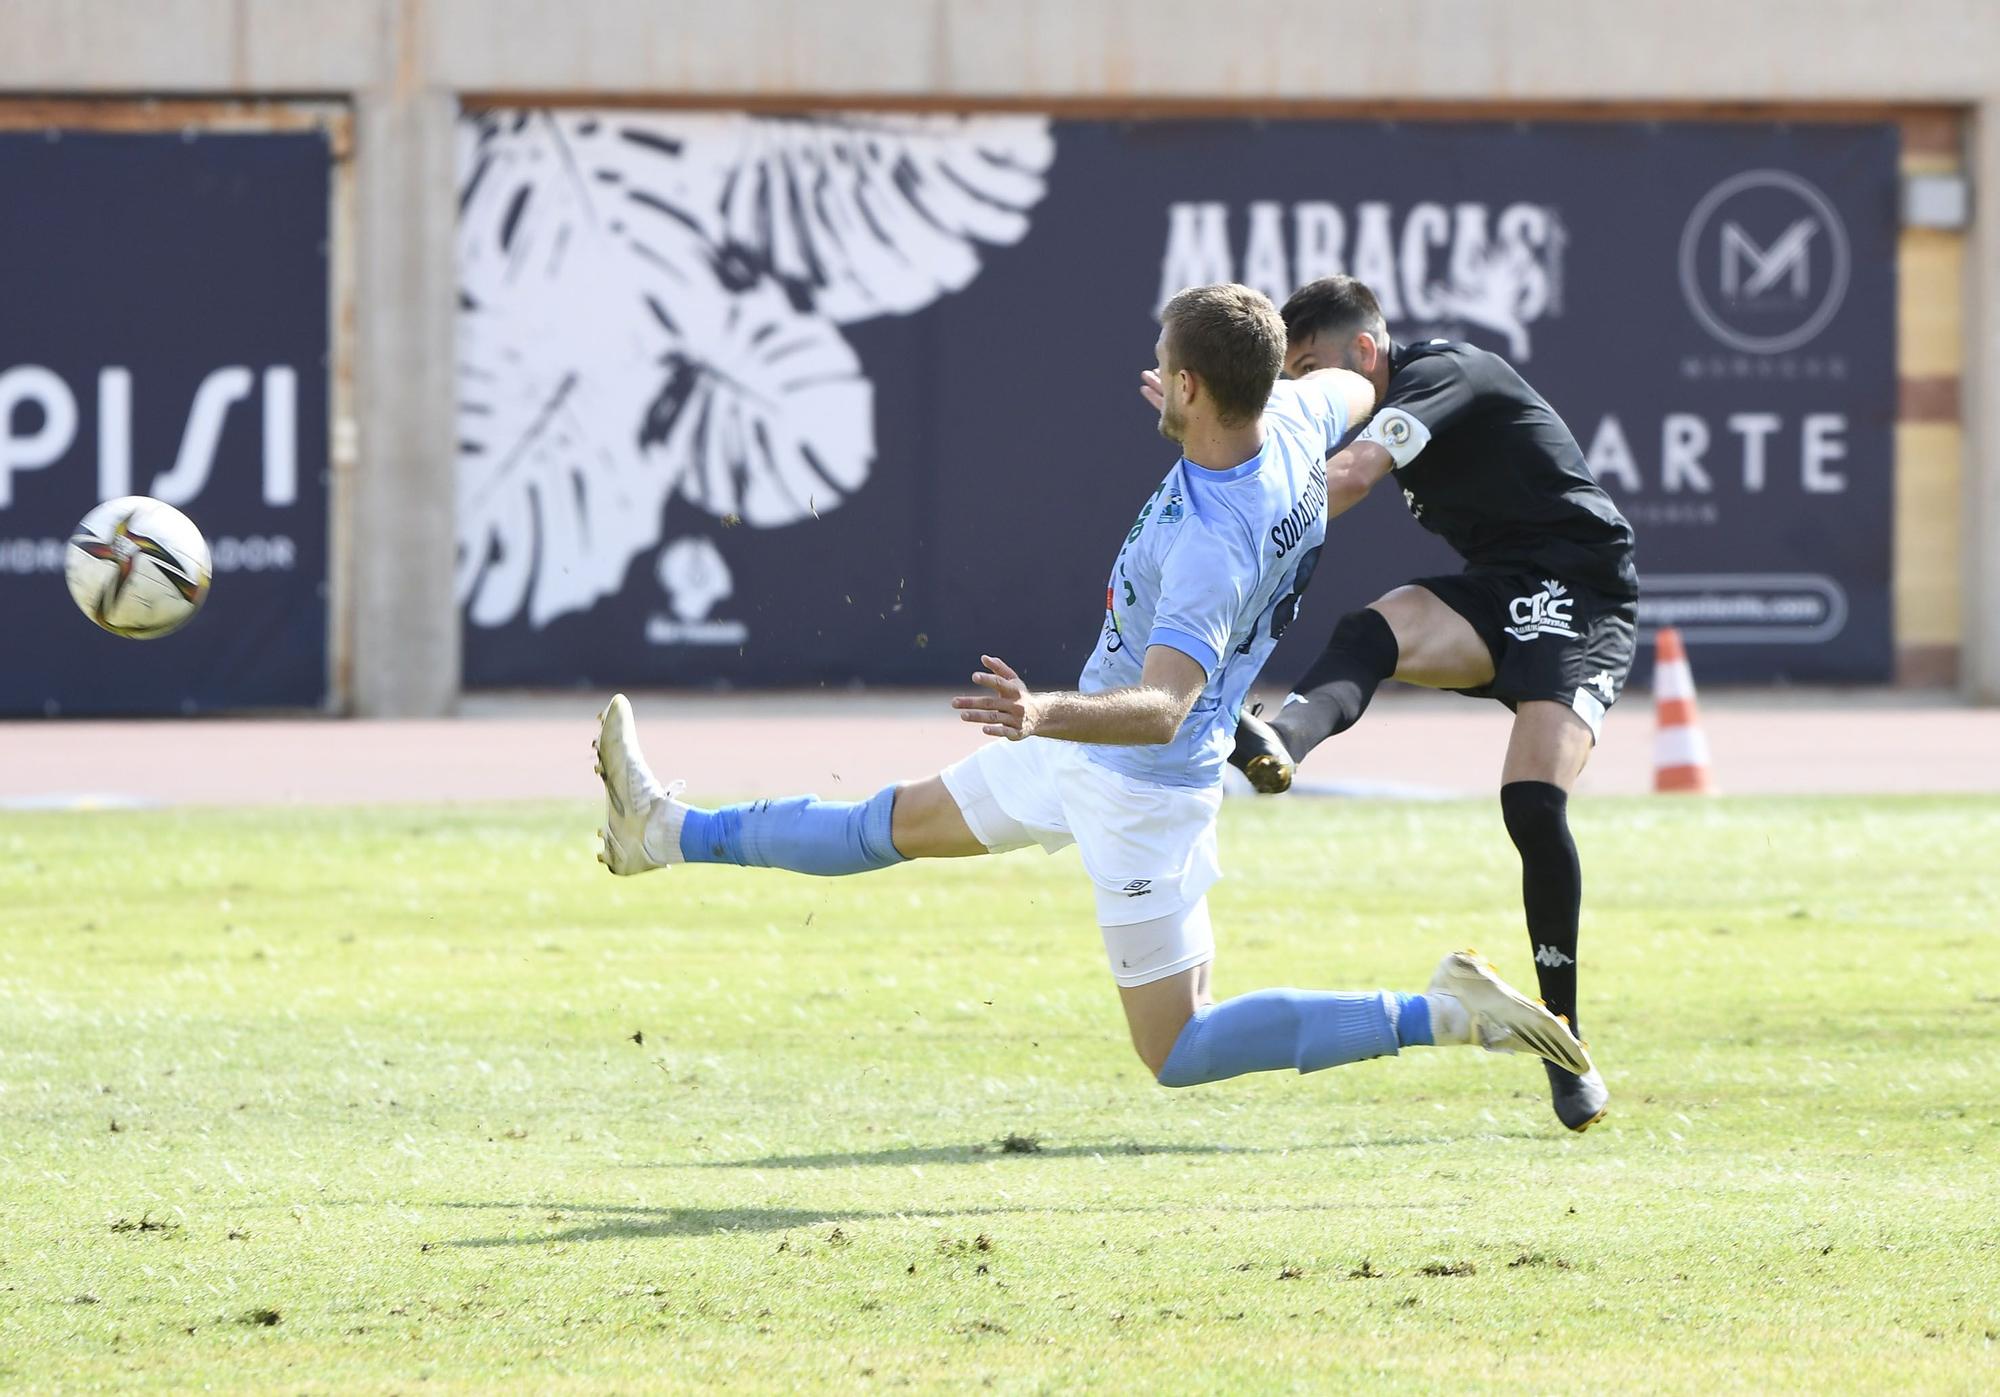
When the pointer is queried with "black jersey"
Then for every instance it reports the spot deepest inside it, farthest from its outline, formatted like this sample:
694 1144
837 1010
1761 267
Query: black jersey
1487 466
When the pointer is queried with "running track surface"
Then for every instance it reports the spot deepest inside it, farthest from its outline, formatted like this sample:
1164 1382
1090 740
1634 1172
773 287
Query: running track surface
534 748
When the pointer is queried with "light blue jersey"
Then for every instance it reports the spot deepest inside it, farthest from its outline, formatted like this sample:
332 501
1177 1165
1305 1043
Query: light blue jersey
1215 567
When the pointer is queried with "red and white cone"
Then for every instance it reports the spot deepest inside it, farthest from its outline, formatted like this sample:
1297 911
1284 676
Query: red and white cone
1680 750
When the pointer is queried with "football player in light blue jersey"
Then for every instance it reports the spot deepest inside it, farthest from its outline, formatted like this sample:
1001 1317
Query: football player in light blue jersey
1214 569
1128 767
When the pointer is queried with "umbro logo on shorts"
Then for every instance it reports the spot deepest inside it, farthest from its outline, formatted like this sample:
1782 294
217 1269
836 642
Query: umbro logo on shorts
1138 887
1546 612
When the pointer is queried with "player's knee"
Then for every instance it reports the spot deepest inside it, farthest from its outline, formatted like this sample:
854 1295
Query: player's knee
1536 812
1154 1039
1154 1053
925 822
1366 631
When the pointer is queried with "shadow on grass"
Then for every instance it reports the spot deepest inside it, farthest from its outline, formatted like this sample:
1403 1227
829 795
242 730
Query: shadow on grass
989 1153
628 1223
949 1154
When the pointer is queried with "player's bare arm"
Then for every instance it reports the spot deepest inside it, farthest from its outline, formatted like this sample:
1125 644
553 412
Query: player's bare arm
1351 473
1146 714
1354 392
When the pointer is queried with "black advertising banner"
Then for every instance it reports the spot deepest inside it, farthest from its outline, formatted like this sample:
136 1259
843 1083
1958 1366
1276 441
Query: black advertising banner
813 400
163 331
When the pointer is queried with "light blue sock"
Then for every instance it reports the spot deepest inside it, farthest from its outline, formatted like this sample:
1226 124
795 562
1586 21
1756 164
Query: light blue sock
805 834
1413 1021
1270 1029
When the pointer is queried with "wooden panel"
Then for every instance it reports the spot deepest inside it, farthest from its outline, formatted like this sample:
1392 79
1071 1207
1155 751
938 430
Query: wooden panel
1930 328
1927 546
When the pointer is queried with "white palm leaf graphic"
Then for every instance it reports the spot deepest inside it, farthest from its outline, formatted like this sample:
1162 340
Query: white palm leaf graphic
763 410
866 214
554 499
603 364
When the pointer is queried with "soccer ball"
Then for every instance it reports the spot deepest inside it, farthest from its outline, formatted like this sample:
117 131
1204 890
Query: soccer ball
137 567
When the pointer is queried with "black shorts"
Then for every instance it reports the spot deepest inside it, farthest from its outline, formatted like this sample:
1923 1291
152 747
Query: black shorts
1549 639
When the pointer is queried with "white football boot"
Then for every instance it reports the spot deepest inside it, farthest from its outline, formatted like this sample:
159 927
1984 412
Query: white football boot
1503 1020
642 818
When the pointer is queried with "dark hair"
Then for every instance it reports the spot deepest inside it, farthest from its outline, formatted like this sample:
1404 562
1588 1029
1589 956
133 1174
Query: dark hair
1334 305
1229 337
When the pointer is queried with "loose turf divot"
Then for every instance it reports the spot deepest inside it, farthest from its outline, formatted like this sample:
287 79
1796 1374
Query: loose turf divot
1449 1268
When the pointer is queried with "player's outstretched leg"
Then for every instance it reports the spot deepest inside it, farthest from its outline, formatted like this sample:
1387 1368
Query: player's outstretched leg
647 825
1411 634
1330 699
1307 1030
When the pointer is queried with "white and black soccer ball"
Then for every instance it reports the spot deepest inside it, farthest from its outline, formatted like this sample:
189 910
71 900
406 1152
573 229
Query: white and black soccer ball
138 567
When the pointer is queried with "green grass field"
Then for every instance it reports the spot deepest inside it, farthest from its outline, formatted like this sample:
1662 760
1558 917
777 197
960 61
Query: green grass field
358 1101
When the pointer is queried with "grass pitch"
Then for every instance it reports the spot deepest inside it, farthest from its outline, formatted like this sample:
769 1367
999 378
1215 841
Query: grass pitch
366 1100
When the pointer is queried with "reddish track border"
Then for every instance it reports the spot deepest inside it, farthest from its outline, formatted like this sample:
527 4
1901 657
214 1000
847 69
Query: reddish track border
844 744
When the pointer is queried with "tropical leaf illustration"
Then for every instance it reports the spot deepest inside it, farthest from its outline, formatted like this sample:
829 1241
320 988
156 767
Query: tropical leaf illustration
554 496
650 307
871 214
762 409
599 373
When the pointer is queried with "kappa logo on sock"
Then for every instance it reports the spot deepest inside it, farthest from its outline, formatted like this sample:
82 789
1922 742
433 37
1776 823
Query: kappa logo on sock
1551 957
1138 887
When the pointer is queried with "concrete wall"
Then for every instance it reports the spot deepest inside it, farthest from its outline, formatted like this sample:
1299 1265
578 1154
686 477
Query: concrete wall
404 63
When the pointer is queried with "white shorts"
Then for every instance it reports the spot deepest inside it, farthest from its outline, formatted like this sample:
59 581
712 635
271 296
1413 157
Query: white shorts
1150 850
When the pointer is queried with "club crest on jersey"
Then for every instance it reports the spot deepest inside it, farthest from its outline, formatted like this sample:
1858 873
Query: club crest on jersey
1546 612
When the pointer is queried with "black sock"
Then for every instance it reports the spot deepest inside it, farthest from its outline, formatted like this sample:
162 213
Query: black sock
1551 886
1361 654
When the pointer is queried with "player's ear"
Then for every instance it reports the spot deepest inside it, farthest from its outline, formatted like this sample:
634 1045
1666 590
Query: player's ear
1367 352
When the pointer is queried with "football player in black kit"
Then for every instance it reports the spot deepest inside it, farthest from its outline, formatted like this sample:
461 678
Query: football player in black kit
1540 619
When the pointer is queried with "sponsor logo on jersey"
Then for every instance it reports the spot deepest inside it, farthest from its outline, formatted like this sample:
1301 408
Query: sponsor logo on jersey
1290 531
1546 612
1145 513
1764 262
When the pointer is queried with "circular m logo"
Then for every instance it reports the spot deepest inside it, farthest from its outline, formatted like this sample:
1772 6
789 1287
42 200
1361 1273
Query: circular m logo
1764 261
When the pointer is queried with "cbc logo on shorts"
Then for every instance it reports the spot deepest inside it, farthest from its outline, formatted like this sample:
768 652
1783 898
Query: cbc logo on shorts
1764 262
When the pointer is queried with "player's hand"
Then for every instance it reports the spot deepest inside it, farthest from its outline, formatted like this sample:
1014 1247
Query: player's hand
1007 710
1150 390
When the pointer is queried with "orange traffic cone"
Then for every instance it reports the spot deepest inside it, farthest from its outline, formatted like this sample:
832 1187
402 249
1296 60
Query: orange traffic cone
1680 751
